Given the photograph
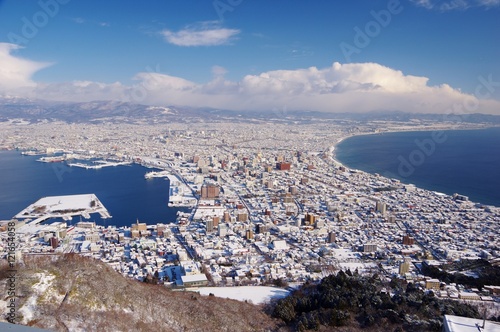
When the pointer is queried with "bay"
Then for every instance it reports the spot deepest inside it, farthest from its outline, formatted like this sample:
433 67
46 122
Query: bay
452 161
122 189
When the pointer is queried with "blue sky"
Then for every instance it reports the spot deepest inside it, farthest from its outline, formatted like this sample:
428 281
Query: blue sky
217 53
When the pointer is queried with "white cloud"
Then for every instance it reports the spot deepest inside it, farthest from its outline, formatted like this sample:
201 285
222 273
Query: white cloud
353 87
200 34
488 3
218 71
449 5
423 3
16 72
358 87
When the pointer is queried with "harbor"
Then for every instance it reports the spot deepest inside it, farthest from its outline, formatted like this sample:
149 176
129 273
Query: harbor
65 207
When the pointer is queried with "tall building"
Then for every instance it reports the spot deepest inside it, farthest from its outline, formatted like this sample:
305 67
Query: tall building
380 207
309 219
210 191
54 242
222 230
261 228
242 216
408 240
216 220
210 225
332 237
160 229
404 267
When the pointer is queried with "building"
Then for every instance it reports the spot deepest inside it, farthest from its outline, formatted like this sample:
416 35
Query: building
404 267
283 166
380 207
194 280
242 216
141 227
319 224
309 219
470 296
332 237
160 229
432 284
280 245
86 224
369 247
92 237
408 240
209 225
261 229
210 191
222 230
492 289
54 242
216 220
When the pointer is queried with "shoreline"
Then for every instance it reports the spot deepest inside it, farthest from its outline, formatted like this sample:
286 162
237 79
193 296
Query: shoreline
333 147
337 162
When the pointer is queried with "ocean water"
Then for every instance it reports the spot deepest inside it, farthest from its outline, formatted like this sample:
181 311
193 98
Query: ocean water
122 189
456 161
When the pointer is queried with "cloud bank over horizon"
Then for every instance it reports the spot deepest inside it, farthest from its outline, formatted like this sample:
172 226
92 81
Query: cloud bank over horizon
352 87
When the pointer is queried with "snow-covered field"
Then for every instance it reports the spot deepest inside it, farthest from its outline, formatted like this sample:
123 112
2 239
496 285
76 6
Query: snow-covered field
254 294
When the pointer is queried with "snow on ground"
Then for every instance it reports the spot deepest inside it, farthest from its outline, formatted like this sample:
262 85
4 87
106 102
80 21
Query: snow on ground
58 203
255 294
39 288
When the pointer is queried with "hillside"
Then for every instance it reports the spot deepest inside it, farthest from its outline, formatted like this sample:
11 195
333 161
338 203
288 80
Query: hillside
75 293
350 302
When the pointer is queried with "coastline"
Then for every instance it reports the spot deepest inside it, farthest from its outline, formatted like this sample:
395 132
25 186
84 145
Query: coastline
333 147
336 161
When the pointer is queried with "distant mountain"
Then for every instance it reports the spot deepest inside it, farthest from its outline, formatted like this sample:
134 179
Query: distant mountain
96 111
124 112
